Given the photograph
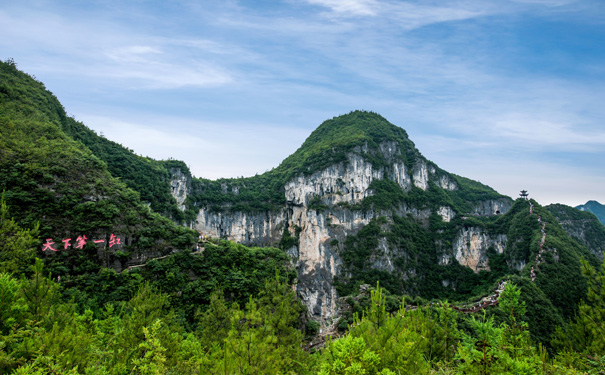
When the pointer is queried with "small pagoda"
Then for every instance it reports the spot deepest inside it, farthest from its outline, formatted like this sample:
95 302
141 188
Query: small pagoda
523 194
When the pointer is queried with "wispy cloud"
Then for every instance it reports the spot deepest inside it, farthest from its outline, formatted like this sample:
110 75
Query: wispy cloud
466 78
132 60
212 150
349 7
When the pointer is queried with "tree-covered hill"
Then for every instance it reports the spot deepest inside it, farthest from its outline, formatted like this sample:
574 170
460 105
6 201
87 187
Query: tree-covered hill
419 233
50 175
595 208
582 226
358 132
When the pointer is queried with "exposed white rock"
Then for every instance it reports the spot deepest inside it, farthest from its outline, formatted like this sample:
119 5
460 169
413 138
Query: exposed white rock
390 150
401 176
421 175
241 227
179 186
445 182
446 213
492 206
470 248
343 182
315 257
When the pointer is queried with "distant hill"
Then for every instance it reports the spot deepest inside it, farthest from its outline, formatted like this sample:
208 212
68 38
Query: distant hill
595 208
582 226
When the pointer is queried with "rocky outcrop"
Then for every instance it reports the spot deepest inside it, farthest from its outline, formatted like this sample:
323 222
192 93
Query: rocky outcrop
180 184
446 213
471 245
421 175
320 212
492 207
264 228
343 182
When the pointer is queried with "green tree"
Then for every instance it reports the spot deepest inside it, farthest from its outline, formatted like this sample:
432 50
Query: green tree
151 360
479 353
397 339
17 245
586 334
350 356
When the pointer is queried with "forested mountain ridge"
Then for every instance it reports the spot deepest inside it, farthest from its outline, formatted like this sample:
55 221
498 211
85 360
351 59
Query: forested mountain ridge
51 178
595 208
352 171
356 204
582 226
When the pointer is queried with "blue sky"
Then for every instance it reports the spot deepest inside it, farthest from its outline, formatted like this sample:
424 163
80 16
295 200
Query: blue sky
509 93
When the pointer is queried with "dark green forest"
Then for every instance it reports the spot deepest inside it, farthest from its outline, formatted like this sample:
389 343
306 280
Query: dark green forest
166 302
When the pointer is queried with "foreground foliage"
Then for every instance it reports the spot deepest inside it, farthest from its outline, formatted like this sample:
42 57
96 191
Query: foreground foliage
42 333
45 329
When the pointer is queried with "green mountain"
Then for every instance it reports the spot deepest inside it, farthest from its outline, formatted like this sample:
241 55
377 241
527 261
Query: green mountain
582 226
356 204
359 132
50 174
595 208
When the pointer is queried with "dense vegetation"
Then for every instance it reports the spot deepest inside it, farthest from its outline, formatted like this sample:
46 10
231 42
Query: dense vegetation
231 309
414 250
582 226
595 208
149 177
51 179
42 332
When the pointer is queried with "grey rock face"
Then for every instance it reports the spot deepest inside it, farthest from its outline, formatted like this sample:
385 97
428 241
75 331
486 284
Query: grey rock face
492 206
321 233
470 248
179 186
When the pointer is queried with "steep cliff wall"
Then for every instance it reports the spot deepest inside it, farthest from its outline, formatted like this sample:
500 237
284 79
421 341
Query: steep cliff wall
180 184
492 206
471 245
322 210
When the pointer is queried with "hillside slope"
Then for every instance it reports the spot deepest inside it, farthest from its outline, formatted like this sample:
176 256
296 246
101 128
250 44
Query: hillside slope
582 226
595 208
357 203
51 178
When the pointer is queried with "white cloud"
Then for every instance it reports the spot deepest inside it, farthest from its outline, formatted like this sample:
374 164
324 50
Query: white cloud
348 7
546 133
212 150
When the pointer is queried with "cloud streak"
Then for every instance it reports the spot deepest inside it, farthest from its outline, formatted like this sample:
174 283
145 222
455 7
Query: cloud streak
465 78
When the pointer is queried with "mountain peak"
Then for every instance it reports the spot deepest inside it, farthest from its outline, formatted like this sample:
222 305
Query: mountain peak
353 129
334 138
595 208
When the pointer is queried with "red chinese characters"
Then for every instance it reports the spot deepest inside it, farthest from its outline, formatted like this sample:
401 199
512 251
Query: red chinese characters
48 245
113 240
80 242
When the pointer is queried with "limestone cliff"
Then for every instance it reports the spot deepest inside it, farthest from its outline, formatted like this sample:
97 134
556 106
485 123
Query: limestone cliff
471 245
334 193
180 184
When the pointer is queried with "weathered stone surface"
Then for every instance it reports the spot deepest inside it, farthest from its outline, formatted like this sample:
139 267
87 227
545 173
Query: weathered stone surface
322 233
180 184
470 247
492 207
